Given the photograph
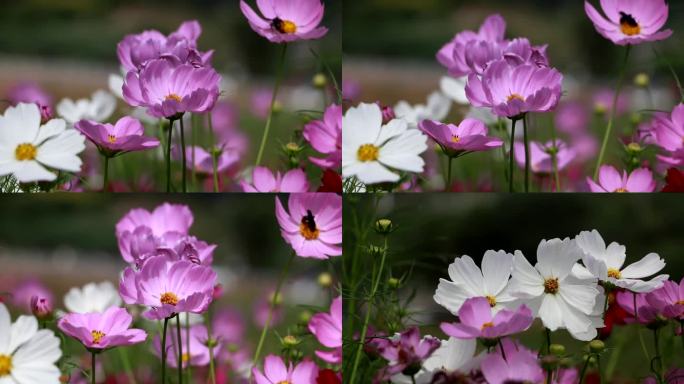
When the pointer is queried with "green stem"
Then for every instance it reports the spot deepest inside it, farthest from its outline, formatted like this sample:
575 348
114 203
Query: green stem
168 157
193 144
613 113
211 345
549 372
527 155
180 350
105 183
267 128
554 158
364 329
658 371
584 369
448 180
503 353
183 157
274 301
188 369
127 365
511 157
92 370
163 352
214 162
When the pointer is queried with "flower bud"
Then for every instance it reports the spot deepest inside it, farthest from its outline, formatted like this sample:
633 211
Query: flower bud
276 299
383 226
41 307
387 113
277 106
325 280
642 80
596 346
290 341
393 282
211 343
292 148
46 113
557 349
634 148
600 109
375 251
319 80
305 316
218 291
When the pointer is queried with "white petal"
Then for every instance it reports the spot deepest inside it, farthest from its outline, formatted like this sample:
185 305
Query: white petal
580 326
391 130
403 152
60 152
452 355
361 125
22 330
615 255
69 111
42 348
551 312
5 323
370 173
102 106
52 128
525 280
20 124
640 286
28 171
555 257
581 297
582 273
438 106
496 270
455 89
649 265
464 271
116 83
592 244
37 372
451 295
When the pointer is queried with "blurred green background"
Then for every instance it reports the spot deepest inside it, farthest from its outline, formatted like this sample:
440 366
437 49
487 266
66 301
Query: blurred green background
433 229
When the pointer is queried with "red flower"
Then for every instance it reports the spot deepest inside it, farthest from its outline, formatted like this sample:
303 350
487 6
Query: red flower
675 181
331 181
328 376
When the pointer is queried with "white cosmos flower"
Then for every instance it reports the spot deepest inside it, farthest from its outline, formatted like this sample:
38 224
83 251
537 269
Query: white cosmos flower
437 108
560 298
467 281
27 148
454 88
27 355
92 297
605 263
98 108
374 152
454 355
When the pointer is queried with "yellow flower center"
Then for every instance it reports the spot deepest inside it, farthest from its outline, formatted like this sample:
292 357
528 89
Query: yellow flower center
621 190
111 139
25 152
169 298
308 228
614 273
455 139
492 300
628 25
551 285
284 26
487 325
97 336
368 153
680 302
515 96
173 96
5 365
284 382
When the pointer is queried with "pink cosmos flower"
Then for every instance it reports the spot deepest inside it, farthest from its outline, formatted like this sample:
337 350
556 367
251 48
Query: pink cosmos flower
328 330
29 92
196 356
313 226
630 22
136 51
228 326
407 353
572 118
520 366
275 372
645 312
610 180
204 162
477 321
453 54
263 180
455 140
668 300
325 137
668 134
541 160
41 307
168 287
513 91
168 90
98 331
127 135
22 293
285 21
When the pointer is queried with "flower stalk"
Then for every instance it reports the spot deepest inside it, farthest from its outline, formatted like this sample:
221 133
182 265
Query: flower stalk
267 128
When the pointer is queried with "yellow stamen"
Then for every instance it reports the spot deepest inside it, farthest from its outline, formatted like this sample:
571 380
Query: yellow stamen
628 25
621 190
284 26
25 152
169 298
487 325
5 365
173 96
97 336
680 302
368 153
551 285
111 139
492 300
515 96
455 139
307 232
284 382
614 273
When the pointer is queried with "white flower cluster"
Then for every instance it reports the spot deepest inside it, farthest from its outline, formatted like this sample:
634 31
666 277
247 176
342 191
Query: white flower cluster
565 288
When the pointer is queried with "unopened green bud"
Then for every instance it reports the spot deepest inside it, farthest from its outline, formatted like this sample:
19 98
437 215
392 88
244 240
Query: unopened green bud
319 80
642 80
290 341
375 251
292 148
596 346
383 226
276 299
304 317
557 349
393 282
277 106
325 280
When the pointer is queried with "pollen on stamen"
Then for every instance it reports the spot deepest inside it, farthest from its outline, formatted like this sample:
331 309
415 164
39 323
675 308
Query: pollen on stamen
284 26
368 153
492 300
455 139
169 298
621 190
487 325
97 336
111 139
614 273
5 365
173 96
551 285
25 152
628 25
515 96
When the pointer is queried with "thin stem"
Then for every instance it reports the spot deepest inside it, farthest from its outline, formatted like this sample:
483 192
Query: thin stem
183 159
168 157
527 155
605 305
92 370
636 322
193 144
163 352
413 379
503 353
267 128
274 300
554 159
364 329
448 180
511 157
613 113
211 344
681 325
549 372
105 183
658 371
180 350
214 162
584 369
188 369
127 365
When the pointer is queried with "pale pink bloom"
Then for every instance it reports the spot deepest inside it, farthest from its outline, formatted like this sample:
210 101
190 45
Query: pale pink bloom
520 365
610 180
276 372
313 225
285 21
204 162
22 293
630 22
98 331
469 136
264 180
478 321
127 135
325 136
327 327
668 134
